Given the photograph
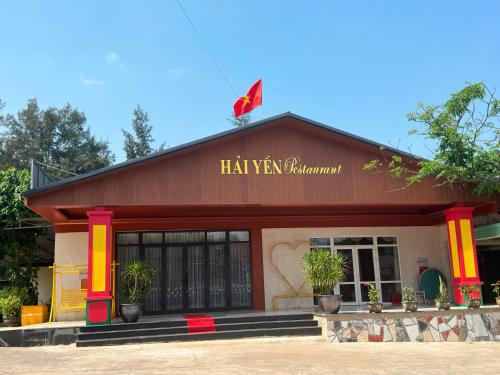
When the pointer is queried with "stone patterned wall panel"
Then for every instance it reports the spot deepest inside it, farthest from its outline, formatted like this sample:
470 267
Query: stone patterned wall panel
452 326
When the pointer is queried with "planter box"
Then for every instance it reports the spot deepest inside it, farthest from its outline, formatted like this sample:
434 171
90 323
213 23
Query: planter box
34 314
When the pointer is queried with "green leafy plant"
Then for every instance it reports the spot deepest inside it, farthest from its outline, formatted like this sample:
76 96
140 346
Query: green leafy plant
496 288
468 291
10 302
465 141
443 292
323 270
372 292
408 294
17 247
136 282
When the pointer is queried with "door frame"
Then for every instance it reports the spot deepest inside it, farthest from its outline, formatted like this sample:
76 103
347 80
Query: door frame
355 265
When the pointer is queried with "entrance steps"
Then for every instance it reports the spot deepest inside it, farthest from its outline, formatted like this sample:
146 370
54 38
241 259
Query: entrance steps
177 330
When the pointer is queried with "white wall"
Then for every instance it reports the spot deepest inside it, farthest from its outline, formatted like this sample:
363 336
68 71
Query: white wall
44 284
70 248
413 243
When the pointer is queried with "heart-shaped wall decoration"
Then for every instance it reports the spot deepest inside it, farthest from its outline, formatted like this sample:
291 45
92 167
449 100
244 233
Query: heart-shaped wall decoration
286 274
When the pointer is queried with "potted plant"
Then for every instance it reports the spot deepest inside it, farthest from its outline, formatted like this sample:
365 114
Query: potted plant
470 292
10 305
374 305
442 300
496 290
136 282
409 302
323 271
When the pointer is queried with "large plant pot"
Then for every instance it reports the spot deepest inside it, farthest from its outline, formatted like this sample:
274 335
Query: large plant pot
330 304
443 305
410 306
130 312
375 307
11 321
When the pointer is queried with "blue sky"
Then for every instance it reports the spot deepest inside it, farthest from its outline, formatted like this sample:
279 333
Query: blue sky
358 66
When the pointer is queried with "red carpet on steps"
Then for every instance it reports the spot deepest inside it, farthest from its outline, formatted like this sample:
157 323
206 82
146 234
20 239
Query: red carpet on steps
200 323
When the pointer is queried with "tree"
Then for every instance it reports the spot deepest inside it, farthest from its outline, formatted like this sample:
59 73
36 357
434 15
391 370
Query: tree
140 143
465 135
239 122
17 247
55 136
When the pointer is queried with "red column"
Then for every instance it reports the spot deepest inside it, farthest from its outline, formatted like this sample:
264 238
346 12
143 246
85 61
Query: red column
99 267
462 246
258 295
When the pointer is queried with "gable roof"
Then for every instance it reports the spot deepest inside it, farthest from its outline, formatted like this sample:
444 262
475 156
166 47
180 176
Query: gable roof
256 124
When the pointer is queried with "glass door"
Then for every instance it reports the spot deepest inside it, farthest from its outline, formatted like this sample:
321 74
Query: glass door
195 277
216 276
347 288
361 270
366 272
173 278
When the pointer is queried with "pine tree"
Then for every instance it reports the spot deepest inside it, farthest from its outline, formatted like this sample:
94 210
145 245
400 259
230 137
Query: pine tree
140 143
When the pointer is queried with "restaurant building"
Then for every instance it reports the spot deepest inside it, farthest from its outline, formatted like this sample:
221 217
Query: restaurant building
225 221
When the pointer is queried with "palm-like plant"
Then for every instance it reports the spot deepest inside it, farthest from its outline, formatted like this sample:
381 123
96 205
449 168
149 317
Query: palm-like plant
323 270
136 281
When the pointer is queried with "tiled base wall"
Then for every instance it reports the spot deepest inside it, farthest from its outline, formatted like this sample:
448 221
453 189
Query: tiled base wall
460 327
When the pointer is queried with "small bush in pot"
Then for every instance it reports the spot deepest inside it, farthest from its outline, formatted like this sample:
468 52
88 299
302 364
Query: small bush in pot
10 305
470 293
442 300
323 271
375 305
137 278
409 302
496 290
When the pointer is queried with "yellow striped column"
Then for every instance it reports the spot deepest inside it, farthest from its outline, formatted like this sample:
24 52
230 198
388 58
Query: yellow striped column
99 267
463 259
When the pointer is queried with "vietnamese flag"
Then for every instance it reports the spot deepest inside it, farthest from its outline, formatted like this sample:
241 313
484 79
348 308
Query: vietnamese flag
250 101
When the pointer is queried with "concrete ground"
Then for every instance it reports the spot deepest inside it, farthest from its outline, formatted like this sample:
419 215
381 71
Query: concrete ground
306 355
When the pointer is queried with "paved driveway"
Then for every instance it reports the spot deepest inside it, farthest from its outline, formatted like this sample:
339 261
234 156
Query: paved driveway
254 356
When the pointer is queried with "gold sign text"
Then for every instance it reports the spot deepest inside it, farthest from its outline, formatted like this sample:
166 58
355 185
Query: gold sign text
268 166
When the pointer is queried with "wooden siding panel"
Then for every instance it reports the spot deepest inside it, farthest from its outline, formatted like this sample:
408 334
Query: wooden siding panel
193 176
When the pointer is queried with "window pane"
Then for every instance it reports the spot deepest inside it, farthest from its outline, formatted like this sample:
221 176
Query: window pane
391 292
179 237
315 242
152 237
348 292
347 253
387 240
238 236
366 269
127 238
389 263
216 236
364 293
338 241
320 249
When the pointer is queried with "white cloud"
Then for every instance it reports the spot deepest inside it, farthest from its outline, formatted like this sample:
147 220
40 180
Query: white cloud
90 82
111 57
177 72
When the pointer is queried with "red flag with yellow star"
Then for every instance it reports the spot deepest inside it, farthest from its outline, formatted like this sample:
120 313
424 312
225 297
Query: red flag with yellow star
250 101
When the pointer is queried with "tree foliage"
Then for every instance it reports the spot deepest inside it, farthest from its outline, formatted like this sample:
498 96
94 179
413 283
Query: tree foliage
140 143
17 247
239 122
58 137
465 134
